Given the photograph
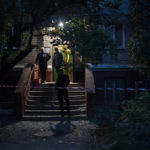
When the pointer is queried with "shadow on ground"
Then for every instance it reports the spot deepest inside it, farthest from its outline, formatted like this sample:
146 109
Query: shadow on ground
63 128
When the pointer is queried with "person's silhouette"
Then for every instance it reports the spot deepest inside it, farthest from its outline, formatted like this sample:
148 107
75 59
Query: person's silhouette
62 90
57 60
42 58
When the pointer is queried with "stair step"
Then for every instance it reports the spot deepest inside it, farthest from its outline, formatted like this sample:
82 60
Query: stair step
43 102
53 112
53 118
50 93
72 97
48 85
48 89
52 106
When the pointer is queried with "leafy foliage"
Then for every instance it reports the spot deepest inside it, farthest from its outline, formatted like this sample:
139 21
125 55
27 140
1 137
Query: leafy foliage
24 15
139 44
131 131
90 42
136 110
85 32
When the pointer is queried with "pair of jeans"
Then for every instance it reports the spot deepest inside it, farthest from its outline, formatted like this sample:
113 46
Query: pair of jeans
63 95
43 73
57 69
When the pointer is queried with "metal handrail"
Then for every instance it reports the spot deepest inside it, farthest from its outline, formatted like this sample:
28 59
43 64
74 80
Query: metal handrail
27 87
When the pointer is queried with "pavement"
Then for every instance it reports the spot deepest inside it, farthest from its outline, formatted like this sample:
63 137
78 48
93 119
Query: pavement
47 135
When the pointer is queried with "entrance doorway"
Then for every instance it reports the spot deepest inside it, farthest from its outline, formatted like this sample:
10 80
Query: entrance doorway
67 61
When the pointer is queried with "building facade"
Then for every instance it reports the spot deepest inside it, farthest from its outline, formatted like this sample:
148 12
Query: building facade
111 74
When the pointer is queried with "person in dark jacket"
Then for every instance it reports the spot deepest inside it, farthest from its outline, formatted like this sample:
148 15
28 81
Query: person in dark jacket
62 93
42 58
57 60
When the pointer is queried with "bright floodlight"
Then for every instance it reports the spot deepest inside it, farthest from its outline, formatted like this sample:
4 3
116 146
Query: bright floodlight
61 24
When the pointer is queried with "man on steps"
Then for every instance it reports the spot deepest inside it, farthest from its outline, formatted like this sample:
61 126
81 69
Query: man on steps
57 60
62 91
43 58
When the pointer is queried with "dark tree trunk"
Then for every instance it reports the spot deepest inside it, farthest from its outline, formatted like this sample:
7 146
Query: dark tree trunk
29 46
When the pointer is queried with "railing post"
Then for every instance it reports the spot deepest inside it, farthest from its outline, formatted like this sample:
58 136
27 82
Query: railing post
90 89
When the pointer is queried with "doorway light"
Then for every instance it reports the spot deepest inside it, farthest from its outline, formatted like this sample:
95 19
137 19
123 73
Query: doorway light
61 24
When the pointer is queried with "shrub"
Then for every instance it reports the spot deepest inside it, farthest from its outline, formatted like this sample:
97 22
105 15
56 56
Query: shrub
131 130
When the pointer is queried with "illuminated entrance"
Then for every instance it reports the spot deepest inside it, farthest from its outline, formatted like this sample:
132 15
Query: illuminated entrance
67 61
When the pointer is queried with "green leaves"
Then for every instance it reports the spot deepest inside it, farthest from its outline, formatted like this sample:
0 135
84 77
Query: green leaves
87 38
130 130
136 111
139 44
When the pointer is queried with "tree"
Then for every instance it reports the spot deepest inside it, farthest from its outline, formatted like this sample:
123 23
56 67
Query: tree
4 25
139 44
85 31
91 42
85 14
27 14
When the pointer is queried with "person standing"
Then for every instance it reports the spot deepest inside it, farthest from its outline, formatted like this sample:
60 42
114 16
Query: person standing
62 83
42 58
57 60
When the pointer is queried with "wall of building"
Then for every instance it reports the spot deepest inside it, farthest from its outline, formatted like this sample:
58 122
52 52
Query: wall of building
96 101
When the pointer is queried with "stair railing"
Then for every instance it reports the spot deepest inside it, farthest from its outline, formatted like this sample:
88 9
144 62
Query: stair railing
22 90
28 87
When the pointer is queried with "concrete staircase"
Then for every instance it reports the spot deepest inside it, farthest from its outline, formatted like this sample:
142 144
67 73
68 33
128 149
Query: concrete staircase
43 103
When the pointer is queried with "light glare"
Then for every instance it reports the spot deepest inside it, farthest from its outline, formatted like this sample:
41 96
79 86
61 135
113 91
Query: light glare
61 24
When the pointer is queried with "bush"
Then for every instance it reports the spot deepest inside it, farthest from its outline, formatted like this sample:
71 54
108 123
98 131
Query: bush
131 130
135 118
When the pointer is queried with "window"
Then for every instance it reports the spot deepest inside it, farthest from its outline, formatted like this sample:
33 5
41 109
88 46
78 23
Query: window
12 30
111 31
113 96
117 34
120 36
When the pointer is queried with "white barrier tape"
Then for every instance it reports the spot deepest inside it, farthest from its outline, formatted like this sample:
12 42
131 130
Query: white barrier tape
81 88
131 89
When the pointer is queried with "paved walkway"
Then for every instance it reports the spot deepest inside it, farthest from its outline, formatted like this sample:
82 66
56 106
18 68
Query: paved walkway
48 135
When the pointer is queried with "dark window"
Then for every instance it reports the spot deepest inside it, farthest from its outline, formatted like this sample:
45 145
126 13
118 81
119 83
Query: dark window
117 34
114 96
